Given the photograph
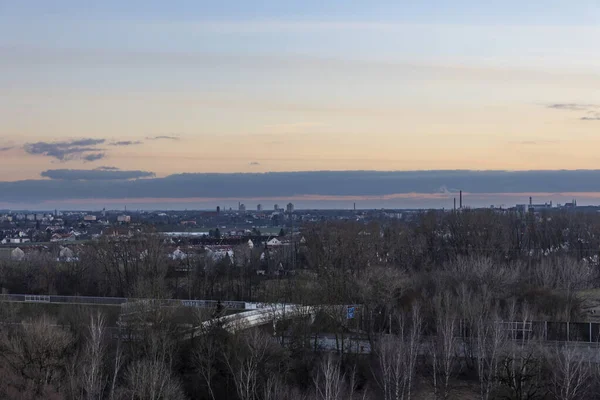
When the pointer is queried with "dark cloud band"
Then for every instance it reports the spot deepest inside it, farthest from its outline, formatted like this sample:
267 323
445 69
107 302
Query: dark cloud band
101 174
74 184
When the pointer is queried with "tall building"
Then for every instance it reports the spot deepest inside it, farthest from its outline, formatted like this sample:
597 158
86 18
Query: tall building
259 208
290 208
276 207
242 208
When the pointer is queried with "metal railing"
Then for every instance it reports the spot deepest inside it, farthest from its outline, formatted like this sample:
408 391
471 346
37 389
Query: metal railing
89 300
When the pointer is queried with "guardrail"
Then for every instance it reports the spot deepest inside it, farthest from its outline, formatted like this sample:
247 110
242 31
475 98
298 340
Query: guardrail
34 298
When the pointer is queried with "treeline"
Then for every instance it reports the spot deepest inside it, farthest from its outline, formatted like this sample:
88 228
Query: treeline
444 305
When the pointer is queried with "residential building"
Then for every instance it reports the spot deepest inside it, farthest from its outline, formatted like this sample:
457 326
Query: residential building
17 254
124 218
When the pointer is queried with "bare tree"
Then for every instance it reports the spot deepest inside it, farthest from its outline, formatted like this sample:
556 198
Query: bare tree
118 363
38 352
443 346
205 357
490 339
571 373
152 379
92 368
329 381
245 360
521 363
397 355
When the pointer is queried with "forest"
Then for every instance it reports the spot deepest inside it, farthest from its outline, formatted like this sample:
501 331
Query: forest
473 304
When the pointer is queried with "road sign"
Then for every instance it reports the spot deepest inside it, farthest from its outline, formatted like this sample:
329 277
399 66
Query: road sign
350 314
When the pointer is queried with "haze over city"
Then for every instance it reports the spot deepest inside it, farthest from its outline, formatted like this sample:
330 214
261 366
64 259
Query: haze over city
95 97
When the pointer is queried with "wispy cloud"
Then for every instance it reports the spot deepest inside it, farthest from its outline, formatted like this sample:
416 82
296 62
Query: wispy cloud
101 174
6 148
591 110
254 163
93 157
592 116
69 150
105 168
126 143
573 106
164 137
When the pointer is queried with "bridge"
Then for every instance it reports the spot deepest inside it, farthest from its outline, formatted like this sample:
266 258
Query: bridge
262 314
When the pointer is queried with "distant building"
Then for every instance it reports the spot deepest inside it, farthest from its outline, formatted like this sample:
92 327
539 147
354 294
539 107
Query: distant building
30 217
276 207
259 208
18 240
124 218
89 218
242 208
289 208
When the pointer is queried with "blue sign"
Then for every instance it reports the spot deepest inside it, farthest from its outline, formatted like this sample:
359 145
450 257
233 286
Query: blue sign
350 314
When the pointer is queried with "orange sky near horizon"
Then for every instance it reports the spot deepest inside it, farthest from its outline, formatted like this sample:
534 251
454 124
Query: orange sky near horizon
283 94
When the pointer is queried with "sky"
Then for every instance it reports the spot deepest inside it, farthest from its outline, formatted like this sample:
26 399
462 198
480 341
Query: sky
164 88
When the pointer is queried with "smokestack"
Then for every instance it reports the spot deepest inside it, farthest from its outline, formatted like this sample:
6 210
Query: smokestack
354 206
455 204
530 201
460 202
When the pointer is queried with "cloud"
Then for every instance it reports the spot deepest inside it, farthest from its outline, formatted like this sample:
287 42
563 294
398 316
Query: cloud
105 168
64 151
93 157
6 148
163 137
254 163
113 184
126 143
572 106
592 116
102 174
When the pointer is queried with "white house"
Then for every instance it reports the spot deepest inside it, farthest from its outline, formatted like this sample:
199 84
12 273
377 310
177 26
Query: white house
218 253
178 255
17 254
274 242
66 253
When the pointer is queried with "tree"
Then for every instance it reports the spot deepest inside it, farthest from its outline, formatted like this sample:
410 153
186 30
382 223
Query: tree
329 381
92 369
152 379
489 341
571 373
37 353
443 346
248 362
397 357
